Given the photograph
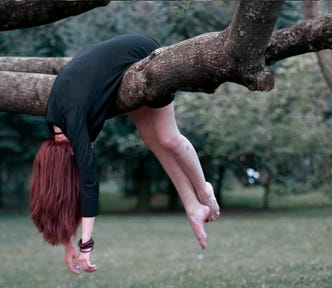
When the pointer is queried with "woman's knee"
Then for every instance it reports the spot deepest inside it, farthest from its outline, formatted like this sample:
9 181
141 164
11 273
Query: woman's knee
148 140
170 141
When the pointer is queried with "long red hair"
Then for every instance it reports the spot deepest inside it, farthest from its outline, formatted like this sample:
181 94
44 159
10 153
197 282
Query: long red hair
54 192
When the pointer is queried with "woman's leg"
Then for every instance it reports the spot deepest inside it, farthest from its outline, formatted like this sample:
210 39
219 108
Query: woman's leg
196 212
169 136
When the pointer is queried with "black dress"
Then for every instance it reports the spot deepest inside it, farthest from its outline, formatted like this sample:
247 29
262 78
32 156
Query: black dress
82 97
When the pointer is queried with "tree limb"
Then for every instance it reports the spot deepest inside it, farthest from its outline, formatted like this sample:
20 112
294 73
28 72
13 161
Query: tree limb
24 92
307 36
204 62
17 14
43 65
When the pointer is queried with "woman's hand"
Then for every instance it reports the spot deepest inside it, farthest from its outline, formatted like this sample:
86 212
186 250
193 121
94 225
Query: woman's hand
85 264
72 257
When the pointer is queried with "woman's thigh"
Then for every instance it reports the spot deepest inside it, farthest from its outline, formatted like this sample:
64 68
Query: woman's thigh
164 123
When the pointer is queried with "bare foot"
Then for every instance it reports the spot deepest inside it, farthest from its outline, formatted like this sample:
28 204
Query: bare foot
210 200
197 218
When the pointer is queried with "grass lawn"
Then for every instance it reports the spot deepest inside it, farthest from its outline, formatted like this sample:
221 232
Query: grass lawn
258 249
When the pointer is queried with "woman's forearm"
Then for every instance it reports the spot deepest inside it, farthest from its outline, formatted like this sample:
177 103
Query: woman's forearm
70 243
87 228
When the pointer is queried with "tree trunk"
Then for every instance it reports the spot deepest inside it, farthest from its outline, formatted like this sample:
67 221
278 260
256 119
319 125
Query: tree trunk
1 194
311 11
143 188
218 190
325 63
173 202
266 195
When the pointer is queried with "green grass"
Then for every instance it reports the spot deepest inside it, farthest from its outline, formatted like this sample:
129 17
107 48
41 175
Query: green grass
266 250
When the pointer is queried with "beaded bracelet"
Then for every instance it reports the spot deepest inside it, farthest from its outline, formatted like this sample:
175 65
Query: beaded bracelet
86 247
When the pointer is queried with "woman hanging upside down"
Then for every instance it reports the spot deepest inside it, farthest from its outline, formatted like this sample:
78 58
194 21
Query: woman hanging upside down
64 184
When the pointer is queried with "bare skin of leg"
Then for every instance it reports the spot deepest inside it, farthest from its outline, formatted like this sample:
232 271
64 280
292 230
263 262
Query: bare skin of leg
196 212
164 123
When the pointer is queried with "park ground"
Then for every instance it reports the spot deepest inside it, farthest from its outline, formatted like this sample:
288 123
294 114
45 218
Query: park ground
287 247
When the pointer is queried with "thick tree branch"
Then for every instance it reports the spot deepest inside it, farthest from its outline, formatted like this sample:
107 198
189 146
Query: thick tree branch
16 14
206 61
24 92
252 27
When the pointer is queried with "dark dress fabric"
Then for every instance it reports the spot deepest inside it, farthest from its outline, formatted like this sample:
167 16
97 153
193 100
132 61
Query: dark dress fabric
81 101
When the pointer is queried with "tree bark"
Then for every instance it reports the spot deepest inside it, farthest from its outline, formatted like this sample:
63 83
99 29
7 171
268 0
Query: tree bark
143 188
219 184
173 200
43 65
325 63
307 36
25 93
310 10
17 14
204 62
266 203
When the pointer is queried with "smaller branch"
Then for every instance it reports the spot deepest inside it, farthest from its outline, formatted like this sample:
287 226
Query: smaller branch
307 36
17 14
45 65
260 81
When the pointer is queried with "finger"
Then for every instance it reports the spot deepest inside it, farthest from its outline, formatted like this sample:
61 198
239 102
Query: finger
91 268
76 260
76 270
84 264
73 268
88 267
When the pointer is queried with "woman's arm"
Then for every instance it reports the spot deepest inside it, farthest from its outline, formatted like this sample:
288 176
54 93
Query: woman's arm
84 258
87 228
71 256
77 133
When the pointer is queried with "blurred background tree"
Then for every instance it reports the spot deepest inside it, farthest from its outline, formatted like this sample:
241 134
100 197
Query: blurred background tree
283 137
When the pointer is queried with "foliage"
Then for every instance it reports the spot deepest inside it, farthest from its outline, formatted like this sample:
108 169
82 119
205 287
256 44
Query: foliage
291 13
285 132
264 133
19 135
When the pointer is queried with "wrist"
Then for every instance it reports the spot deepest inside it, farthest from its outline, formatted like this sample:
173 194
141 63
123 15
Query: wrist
71 241
86 247
87 228
86 238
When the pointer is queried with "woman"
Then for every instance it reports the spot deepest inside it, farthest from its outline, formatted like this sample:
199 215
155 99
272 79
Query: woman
64 171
